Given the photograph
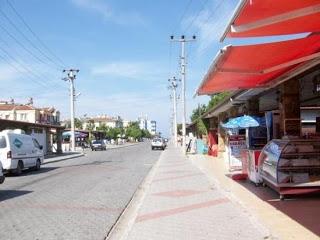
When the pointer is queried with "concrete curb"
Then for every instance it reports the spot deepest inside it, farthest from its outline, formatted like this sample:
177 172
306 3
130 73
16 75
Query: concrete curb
63 158
122 227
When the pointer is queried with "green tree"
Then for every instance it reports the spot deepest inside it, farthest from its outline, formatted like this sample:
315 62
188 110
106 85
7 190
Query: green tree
217 98
113 133
78 123
134 131
197 112
90 126
146 134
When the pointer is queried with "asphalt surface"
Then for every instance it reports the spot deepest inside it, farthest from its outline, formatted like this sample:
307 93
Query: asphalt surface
78 198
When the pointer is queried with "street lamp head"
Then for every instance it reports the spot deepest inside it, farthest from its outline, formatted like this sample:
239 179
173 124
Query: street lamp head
182 37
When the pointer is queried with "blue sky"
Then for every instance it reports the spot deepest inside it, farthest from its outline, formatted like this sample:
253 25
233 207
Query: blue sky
122 49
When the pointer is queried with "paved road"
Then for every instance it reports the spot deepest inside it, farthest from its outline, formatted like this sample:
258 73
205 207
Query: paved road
75 199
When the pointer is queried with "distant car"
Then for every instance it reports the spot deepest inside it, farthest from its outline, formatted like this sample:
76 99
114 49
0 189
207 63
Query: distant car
1 174
98 145
158 143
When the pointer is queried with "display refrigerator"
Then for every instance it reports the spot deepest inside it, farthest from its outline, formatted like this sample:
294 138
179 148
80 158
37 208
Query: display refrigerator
291 166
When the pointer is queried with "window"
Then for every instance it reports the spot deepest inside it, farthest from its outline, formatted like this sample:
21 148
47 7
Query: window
3 142
37 130
35 143
23 116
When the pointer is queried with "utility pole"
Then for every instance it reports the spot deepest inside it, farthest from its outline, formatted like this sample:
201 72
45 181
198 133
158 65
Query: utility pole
173 86
71 76
183 63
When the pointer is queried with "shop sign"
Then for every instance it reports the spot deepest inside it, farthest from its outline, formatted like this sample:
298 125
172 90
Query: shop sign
236 144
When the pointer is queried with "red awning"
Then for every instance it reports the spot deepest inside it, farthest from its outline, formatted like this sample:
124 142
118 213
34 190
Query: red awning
245 67
254 18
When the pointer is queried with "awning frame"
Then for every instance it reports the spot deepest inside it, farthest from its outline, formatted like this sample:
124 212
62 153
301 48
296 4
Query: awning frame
214 65
267 21
273 68
236 13
276 19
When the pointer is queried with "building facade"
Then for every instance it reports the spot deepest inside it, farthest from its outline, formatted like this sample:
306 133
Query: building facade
150 125
94 123
29 113
41 123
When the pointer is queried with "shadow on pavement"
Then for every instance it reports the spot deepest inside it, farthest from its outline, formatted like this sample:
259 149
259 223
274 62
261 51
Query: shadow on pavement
27 172
304 209
8 194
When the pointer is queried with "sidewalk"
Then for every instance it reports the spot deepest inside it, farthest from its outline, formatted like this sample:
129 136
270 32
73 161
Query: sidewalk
293 218
181 203
62 157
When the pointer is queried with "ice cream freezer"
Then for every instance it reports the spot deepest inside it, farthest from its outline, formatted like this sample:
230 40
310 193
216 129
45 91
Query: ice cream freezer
291 166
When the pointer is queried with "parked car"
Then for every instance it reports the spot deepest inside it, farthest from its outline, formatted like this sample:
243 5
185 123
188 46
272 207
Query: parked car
98 145
19 151
158 143
2 177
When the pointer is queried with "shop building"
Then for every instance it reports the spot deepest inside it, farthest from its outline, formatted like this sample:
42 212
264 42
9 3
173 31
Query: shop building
49 136
278 84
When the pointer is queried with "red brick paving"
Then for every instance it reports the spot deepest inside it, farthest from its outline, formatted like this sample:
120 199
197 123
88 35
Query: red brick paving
176 177
178 193
174 211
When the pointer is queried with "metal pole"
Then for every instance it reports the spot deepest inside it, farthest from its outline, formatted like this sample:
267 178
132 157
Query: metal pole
71 76
183 41
175 112
73 138
183 98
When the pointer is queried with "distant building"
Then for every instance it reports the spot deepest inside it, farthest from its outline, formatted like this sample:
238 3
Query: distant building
103 120
152 127
10 110
41 123
149 125
143 123
126 123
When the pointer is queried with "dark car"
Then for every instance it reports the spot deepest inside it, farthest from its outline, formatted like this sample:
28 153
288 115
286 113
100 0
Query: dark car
98 145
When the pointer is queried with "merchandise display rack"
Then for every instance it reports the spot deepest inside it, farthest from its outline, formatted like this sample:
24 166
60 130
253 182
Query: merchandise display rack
291 166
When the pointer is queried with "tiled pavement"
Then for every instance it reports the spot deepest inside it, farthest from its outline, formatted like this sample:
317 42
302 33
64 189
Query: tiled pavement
181 203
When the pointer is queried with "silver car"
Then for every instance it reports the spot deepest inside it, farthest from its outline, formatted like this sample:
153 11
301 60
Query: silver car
158 143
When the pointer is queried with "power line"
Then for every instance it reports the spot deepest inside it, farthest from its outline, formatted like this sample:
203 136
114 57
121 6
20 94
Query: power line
19 62
26 68
28 40
18 70
196 17
212 13
34 34
183 14
22 45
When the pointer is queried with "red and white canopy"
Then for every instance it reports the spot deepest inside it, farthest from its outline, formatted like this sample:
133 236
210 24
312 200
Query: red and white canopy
254 18
251 66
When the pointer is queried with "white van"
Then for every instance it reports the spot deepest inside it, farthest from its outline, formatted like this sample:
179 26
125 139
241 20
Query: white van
19 151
